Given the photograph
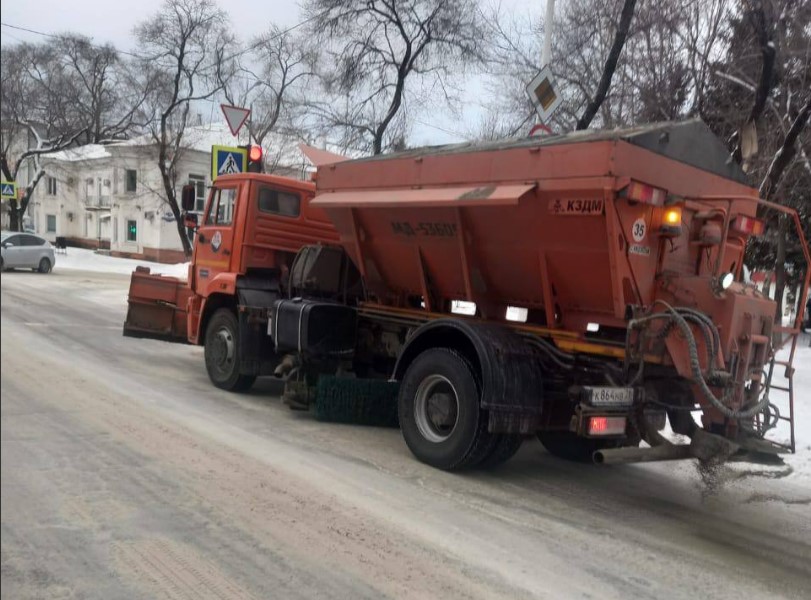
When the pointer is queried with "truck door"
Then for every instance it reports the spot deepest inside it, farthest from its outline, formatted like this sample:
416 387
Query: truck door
215 238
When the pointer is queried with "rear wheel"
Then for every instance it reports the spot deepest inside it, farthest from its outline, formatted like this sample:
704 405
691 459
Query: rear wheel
567 445
44 266
222 353
503 450
440 414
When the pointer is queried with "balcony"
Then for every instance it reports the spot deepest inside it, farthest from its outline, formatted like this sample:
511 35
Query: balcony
97 203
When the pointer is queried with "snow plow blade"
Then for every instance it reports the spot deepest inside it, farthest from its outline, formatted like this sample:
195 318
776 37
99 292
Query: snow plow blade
157 307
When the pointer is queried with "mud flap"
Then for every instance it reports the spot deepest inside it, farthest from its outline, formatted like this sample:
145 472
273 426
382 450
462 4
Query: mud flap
257 351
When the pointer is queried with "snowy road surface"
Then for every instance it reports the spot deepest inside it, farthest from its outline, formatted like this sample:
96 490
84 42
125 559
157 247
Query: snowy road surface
126 475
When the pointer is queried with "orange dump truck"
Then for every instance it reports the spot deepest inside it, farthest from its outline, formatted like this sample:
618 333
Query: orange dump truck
583 288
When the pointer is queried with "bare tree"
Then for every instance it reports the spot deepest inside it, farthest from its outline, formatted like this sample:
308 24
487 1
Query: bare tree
39 111
107 92
185 42
377 46
272 81
593 81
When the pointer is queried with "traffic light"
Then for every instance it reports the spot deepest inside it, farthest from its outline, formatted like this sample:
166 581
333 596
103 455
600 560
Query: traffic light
255 163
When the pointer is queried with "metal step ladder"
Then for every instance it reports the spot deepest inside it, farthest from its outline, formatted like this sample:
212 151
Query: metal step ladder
781 397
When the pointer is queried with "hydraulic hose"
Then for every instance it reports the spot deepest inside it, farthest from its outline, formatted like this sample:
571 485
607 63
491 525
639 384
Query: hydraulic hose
698 376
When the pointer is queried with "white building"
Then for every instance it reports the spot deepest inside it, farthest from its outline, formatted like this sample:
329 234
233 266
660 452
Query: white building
111 196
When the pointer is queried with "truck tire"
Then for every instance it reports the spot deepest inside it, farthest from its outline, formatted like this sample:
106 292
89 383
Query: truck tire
503 450
222 353
440 413
568 446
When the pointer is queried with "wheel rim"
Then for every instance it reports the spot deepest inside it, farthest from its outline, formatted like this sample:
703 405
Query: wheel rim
436 408
44 265
222 350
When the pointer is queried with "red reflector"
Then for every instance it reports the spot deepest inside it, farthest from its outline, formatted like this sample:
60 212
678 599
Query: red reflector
747 225
255 153
606 425
642 192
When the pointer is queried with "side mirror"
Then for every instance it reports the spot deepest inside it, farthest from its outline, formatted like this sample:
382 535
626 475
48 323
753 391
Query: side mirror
8 245
187 197
190 220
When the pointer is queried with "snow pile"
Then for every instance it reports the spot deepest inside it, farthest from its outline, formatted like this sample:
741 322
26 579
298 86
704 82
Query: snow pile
87 260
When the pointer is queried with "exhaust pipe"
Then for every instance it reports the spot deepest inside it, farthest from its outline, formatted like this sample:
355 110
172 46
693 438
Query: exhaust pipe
705 446
619 456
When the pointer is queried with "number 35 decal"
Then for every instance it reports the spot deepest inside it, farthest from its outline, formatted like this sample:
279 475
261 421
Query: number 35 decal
638 230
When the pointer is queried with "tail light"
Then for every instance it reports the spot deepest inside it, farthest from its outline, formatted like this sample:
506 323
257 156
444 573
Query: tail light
606 426
747 225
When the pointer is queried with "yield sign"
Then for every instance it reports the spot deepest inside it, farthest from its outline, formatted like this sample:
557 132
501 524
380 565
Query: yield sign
235 116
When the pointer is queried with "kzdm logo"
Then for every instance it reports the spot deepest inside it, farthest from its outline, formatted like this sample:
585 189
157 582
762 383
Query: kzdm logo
216 241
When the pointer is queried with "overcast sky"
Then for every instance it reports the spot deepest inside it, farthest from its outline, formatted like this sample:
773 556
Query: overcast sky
113 20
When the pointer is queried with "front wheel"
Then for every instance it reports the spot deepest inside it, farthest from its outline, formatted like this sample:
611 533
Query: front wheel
440 414
222 353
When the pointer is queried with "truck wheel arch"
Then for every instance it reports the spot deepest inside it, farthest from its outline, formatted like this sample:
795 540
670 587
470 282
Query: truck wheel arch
212 304
510 376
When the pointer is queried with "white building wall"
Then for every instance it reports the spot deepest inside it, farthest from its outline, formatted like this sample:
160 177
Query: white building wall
92 202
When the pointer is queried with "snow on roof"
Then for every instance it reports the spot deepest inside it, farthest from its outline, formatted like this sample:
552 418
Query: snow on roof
281 151
87 152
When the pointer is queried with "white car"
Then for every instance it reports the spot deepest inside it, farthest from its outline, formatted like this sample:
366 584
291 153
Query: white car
25 251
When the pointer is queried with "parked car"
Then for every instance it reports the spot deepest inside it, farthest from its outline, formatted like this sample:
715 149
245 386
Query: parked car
25 251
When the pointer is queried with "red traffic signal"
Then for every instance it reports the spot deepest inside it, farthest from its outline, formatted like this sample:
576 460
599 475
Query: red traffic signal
255 162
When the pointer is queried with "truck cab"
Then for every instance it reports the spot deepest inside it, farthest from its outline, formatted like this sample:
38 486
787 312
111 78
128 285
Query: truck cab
244 244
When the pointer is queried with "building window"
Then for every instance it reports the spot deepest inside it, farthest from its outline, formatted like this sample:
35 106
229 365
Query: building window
90 187
51 186
199 183
132 180
132 231
51 223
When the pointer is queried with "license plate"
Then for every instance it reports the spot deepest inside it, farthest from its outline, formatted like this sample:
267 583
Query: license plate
609 396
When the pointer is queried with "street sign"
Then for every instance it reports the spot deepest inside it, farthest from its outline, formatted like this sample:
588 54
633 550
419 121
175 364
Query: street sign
226 160
543 94
235 116
8 189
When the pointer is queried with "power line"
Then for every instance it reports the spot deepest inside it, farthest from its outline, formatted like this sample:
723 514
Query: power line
57 36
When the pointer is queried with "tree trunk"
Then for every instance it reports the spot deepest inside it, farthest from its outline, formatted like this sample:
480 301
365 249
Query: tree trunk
14 216
610 65
171 200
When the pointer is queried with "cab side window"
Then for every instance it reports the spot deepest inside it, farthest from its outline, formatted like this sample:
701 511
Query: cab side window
221 209
277 202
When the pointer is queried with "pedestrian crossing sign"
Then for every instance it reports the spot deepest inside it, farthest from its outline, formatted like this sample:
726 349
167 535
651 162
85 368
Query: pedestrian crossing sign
226 160
8 189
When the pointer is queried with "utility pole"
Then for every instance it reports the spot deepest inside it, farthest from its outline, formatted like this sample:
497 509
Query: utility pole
547 27
546 54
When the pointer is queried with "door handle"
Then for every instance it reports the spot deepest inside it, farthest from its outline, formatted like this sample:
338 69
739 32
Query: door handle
226 252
